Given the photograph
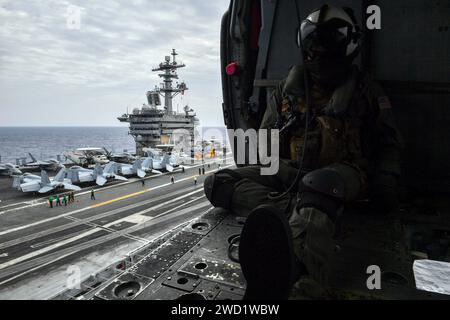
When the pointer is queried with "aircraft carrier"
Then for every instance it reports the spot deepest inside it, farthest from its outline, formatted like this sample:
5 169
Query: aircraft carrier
150 125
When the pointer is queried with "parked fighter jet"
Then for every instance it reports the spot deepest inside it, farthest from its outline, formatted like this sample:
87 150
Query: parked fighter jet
87 156
108 173
123 157
78 174
173 163
157 161
43 184
147 166
131 169
48 164
9 169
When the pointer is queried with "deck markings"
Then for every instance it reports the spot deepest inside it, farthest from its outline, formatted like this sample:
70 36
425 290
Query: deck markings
25 266
95 206
80 221
119 198
48 248
64 242
95 228
68 254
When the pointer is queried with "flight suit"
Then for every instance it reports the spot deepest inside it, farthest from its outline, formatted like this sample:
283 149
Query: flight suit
352 152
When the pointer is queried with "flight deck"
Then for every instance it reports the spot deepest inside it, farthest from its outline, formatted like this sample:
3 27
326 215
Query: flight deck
39 246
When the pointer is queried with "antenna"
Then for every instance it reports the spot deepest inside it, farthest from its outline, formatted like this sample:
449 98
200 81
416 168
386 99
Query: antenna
169 73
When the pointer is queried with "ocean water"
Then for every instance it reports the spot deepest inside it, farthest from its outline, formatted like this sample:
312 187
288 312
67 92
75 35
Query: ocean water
48 142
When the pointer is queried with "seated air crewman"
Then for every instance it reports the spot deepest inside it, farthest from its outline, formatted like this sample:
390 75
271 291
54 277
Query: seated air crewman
350 151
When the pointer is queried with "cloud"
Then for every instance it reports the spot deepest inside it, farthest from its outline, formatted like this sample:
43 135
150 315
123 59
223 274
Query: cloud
57 75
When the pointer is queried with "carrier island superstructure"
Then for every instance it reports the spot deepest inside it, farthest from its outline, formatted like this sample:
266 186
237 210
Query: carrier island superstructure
152 125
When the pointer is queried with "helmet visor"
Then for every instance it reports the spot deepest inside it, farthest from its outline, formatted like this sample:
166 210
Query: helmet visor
324 38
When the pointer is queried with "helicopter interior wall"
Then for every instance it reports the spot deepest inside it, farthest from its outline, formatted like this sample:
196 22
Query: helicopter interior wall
413 43
423 120
413 65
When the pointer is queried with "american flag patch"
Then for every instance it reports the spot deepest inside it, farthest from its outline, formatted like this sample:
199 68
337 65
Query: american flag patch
384 103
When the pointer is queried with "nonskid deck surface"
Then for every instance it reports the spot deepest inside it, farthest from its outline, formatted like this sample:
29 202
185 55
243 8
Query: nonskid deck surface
40 247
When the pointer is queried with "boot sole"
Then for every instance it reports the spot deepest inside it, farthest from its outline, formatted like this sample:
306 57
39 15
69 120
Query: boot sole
266 254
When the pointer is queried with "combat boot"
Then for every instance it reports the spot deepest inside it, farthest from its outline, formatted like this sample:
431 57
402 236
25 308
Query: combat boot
274 251
267 256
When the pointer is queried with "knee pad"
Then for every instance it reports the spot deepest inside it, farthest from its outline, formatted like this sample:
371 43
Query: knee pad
322 189
219 188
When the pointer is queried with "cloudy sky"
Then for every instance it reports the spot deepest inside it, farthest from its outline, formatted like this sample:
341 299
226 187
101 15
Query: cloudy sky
53 73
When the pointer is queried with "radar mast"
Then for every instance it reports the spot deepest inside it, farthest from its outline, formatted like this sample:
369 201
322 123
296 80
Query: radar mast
167 90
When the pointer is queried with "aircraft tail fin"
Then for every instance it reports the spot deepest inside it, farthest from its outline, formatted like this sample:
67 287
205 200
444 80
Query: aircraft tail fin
147 163
61 174
32 158
44 177
98 170
173 160
137 164
73 175
108 153
110 168
165 160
